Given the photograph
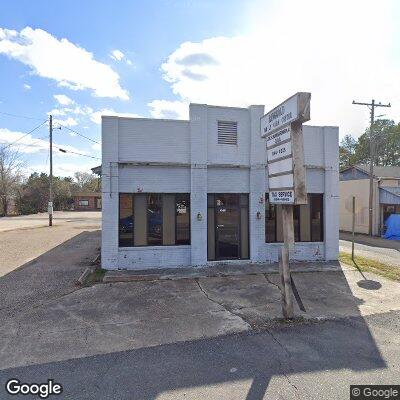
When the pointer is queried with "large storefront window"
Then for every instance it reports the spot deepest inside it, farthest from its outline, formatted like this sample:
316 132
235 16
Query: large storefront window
307 221
154 219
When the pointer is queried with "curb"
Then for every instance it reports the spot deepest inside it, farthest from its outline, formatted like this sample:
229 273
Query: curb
82 279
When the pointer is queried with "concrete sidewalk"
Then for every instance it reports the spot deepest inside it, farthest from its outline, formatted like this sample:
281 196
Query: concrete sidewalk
217 270
115 317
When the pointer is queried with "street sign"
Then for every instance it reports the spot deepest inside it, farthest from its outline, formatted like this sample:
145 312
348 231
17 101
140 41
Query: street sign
278 137
281 127
281 196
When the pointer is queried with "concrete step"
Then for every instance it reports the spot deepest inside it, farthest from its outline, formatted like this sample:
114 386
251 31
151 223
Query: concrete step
153 274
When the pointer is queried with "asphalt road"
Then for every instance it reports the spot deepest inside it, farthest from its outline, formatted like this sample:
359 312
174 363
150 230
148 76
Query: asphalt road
374 251
307 361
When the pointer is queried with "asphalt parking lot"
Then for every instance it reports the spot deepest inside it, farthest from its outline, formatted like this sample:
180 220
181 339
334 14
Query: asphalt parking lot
24 238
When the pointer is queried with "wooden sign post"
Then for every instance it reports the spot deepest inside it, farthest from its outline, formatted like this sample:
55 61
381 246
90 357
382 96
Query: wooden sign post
282 128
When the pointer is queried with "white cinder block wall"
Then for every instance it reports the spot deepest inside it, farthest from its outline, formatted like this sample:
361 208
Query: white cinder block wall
184 157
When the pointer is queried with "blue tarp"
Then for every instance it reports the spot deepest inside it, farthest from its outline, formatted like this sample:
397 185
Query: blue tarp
392 227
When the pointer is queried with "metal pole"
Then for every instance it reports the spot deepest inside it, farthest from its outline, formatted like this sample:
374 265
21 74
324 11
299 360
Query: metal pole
50 206
353 227
371 168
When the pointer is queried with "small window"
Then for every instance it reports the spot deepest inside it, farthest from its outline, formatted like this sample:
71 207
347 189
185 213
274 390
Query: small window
84 202
227 132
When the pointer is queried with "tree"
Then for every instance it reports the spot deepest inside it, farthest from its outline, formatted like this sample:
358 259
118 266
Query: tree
34 194
10 176
386 145
347 151
86 182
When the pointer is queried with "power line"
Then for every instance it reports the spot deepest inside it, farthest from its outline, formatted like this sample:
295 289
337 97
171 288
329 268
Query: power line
74 152
26 134
79 134
19 116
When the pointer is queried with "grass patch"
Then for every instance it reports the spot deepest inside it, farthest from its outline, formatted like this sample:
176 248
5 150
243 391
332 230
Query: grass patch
95 277
367 265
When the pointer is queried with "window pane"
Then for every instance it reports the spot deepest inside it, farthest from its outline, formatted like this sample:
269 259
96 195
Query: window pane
244 232
270 221
125 220
154 219
140 217
210 200
168 213
210 233
316 202
183 218
305 224
244 200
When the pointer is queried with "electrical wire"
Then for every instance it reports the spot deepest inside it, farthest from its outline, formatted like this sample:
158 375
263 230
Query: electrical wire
26 134
74 152
19 116
79 134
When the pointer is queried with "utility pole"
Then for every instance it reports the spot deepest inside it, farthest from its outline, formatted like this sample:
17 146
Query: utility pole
371 106
50 206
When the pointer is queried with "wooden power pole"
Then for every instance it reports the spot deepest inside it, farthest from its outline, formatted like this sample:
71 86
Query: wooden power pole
50 205
371 106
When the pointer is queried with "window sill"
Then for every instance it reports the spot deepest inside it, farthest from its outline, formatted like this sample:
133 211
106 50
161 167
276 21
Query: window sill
144 248
295 243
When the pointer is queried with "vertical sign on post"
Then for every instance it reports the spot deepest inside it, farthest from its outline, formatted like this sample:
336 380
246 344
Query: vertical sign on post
282 129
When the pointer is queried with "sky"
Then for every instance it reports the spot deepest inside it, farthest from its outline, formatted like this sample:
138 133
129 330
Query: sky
79 60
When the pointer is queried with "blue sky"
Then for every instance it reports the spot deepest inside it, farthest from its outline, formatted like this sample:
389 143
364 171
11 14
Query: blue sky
151 59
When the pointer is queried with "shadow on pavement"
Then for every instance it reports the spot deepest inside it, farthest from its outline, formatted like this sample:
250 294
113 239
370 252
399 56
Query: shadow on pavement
213 365
52 273
365 283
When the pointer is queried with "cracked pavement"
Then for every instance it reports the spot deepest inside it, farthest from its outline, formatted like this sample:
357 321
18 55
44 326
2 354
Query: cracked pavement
215 337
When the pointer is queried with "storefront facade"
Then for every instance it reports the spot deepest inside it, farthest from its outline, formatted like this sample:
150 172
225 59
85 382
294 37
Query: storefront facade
191 193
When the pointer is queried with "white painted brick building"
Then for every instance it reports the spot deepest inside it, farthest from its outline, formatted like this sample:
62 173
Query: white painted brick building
181 193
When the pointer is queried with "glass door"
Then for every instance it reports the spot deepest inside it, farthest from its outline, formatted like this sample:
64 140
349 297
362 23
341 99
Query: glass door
227 224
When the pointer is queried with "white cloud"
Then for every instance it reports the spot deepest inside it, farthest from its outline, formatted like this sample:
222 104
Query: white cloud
311 45
96 146
27 87
63 99
169 109
96 116
59 59
66 122
117 55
